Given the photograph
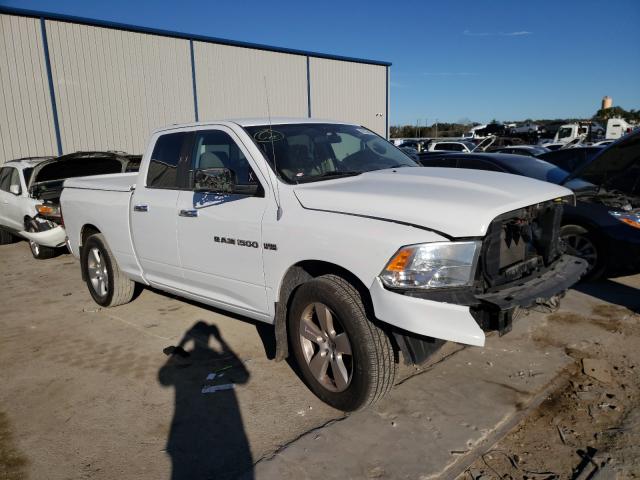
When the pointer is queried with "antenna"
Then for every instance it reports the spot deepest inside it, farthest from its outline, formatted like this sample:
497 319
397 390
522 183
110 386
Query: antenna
273 152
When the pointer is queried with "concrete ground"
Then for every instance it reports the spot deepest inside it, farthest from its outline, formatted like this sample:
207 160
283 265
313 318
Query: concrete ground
92 393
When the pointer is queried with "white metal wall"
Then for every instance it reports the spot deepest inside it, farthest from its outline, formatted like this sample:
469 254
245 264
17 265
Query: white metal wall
231 82
114 87
26 119
349 91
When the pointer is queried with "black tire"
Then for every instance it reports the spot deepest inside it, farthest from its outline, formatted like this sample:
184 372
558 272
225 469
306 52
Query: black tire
40 252
372 360
579 241
118 288
6 238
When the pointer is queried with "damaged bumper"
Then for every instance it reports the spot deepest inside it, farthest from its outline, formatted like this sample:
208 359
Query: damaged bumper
54 237
462 315
565 272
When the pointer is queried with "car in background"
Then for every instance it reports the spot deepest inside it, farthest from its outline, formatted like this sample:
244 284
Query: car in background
528 150
571 158
30 190
453 146
603 227
410 151
417 145
497 129
528 127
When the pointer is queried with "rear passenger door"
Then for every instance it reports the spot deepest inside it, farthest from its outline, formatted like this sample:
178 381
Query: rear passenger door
154 210
220 234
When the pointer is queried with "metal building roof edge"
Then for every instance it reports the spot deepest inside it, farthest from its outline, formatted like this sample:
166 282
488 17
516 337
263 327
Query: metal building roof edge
187 36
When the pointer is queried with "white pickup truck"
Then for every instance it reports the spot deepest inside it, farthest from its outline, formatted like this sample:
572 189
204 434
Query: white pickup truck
328 232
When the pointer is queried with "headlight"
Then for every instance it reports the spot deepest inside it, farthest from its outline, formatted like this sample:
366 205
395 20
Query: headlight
432 265
48 210
631 219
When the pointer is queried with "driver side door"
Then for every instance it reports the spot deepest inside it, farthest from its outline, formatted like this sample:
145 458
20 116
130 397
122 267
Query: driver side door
220 234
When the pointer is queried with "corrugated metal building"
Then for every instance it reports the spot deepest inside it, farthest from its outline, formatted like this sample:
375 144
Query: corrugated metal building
72 84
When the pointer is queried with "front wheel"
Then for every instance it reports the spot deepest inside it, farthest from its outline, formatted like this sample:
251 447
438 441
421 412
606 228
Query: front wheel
38 251
582 243
107 284
343 357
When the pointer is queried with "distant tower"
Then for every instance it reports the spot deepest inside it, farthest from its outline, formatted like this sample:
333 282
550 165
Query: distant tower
607 102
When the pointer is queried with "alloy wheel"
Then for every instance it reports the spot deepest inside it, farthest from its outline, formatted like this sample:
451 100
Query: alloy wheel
97 272
326 347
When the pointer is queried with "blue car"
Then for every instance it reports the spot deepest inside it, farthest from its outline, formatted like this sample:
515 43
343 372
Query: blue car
604 225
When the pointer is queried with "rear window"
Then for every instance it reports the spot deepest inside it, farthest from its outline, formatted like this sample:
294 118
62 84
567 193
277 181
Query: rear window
454 147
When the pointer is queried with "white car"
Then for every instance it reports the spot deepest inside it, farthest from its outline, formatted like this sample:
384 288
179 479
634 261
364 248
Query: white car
30 191
451 147
328 232
22 215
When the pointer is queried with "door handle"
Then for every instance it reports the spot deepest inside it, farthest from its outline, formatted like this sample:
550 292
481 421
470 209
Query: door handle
188 213
141 208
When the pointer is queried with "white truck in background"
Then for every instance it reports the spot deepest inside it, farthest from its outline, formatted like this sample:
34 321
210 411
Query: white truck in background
617 128
328 232
578 131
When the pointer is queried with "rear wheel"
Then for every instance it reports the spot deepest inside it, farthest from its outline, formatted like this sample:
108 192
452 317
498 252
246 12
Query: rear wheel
343 357
107 284
584 244
39 251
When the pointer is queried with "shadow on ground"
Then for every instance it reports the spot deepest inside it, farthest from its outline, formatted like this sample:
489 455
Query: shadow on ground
207 438
12 462
612 292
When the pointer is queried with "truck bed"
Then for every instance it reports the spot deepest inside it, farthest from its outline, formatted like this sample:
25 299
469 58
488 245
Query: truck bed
113 182
102 202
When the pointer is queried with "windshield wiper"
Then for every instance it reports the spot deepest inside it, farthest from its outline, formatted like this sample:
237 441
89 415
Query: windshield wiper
334 174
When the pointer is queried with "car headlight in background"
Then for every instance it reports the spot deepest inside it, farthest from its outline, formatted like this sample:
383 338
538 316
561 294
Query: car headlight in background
48 210
630 218
432 265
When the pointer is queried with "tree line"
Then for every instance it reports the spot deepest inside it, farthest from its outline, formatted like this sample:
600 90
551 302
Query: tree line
457 129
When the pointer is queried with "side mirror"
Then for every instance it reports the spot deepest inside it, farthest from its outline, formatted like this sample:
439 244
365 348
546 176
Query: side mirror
215 180
15 189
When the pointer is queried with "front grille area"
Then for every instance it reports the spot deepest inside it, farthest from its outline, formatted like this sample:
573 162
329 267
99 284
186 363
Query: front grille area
521 242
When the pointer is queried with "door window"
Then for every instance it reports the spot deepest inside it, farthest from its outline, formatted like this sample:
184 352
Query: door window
216 149
163 166
9 177
5 178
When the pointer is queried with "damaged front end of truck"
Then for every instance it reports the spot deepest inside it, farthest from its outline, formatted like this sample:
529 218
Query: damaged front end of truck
521 264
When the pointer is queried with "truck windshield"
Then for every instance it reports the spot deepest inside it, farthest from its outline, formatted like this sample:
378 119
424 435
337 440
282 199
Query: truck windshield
316 151
565 132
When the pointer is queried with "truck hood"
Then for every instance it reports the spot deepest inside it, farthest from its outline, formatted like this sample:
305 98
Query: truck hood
452 202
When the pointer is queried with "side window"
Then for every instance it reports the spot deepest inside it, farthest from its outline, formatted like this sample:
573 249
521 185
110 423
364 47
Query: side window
216 149
15 180
5 178
163 167
477 164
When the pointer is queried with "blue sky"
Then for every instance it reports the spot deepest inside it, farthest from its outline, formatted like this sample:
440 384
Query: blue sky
452 60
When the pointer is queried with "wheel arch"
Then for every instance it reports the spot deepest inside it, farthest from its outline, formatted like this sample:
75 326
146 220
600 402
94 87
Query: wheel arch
296 275
86 231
